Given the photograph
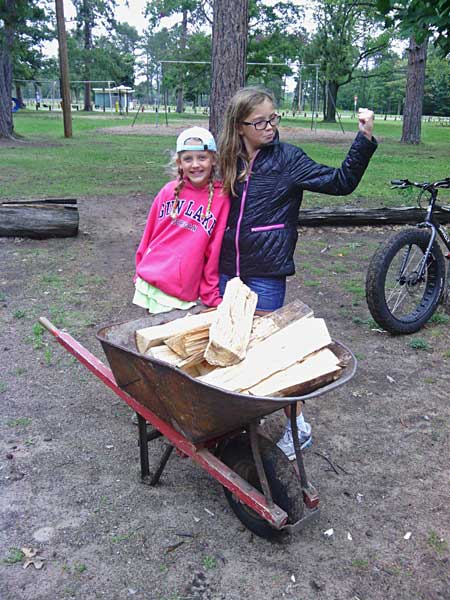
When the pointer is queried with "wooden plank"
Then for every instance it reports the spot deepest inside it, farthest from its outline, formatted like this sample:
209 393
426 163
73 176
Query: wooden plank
153 336
276 353
229 334
301 378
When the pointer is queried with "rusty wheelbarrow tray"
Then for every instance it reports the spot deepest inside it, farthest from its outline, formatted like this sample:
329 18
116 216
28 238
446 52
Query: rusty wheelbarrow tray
206 423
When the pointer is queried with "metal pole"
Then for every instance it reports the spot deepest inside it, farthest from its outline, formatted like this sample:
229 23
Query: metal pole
316 98
110 97
158 92
64 68
299 107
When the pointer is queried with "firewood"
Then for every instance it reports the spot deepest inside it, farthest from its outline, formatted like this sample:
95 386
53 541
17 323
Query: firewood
192 371
192 361
153 336
165 354
276 353
190 342
229 334
301 378
204 367
273 322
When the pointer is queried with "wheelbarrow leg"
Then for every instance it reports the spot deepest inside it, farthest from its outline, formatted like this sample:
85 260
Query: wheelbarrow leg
144 438
310 495
165 457
143 447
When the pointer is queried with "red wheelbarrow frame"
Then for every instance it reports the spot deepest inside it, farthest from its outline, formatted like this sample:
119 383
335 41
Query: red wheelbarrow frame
261 503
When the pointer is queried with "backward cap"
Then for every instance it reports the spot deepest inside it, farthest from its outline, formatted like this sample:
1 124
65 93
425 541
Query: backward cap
206 137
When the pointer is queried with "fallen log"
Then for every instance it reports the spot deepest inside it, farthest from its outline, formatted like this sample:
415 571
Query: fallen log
348 216
52 217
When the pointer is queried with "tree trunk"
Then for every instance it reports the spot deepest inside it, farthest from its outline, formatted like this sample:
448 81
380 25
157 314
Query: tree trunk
332 90
415 84
229 52
87 56
19 95
296 96
180 88
6 118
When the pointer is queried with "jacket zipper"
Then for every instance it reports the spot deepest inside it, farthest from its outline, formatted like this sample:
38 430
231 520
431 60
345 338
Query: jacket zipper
241 213
268 227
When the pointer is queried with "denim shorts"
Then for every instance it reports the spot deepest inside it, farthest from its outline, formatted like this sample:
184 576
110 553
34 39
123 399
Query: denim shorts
271 290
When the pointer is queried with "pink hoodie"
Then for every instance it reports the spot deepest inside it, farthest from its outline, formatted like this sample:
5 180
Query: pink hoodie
181 256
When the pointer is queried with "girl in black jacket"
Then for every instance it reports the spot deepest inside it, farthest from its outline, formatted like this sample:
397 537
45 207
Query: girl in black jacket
265 179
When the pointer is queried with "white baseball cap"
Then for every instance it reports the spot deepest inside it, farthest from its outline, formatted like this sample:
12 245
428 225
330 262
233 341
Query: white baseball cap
198 133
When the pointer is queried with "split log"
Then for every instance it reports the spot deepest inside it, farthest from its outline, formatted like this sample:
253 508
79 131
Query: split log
349 216
192 361
39 219
154 336
190 342
230 333
204 367
270 324
301 378
165 354
276 353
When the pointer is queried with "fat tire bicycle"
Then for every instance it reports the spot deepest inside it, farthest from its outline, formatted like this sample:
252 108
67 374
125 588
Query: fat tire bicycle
406 275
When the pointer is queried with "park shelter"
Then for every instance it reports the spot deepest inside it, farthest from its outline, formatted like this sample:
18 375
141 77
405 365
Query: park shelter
119 97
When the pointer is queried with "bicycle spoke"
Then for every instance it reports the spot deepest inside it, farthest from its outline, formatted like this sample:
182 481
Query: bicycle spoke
405 293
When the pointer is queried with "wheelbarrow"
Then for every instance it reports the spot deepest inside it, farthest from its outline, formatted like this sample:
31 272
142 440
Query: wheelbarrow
216 428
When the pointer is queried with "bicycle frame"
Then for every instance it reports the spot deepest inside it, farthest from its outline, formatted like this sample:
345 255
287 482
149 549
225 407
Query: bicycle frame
436 229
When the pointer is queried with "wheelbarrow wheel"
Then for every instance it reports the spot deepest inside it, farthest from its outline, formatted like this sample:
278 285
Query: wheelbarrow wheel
283 481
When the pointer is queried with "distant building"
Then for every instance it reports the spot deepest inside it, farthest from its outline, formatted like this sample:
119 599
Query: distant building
119 98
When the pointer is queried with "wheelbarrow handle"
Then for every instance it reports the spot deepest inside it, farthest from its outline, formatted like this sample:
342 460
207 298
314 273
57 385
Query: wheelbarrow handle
48 325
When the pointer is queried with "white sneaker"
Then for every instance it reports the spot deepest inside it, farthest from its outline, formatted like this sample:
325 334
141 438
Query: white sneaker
286 443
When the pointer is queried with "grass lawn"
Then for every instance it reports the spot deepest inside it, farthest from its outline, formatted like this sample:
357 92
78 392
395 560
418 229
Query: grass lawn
46 164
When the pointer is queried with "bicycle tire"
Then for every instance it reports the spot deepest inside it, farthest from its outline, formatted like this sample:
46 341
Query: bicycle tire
399 303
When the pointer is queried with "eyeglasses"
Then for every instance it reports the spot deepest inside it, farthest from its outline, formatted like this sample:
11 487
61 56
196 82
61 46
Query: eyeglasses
261 125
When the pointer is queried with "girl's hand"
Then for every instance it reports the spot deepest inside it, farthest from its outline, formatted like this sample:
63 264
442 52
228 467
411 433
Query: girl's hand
365 125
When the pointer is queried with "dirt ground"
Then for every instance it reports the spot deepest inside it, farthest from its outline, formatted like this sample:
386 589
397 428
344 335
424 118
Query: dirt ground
69 468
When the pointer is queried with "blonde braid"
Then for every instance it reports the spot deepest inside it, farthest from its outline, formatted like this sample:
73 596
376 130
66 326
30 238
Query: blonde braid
210 197
177 191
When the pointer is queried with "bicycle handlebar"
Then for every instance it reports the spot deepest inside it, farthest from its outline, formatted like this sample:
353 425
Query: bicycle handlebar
404 183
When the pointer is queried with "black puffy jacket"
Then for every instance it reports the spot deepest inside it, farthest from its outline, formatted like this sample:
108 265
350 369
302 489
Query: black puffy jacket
261 232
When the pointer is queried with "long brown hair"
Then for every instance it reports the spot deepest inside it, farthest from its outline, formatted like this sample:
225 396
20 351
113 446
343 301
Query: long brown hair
231 146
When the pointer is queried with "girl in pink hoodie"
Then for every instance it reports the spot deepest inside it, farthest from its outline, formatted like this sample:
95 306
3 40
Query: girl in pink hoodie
177 261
